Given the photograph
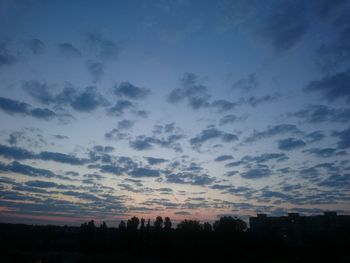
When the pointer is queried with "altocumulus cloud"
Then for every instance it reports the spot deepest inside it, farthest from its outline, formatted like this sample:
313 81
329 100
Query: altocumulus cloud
210 134
290 144
21 108
332 87
130 91
85 100
271 131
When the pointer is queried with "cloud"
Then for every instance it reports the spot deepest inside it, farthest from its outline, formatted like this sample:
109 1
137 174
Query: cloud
35 45
325 9
153 161
228 119
101 153
17 167
344 138
96 70
210 134
130 91
285 25
118 167
125 124
67 50
271 131
40 91
61 137
81 100
44 114
332 87
267 195
246 84
6 57
115 134
143 142
119 107
195 94
323 153
262 158
290 144
15 153
112 169
222 158
222 105
61 158
183 213
256 173
88 100
13 106
167 128
22 154
231 173
14 137
170 127
104 48
315 136
336 52
189 178
41 184
145 172
17 107
269 156
337 181
256 101
322 113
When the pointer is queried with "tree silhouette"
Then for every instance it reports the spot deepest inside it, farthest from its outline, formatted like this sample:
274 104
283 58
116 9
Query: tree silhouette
189 226
142 226
207 227
136 241
167 223
228 224
158 223
122 225
133 223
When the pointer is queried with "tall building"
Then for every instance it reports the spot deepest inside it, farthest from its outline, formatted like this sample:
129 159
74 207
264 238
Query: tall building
295 229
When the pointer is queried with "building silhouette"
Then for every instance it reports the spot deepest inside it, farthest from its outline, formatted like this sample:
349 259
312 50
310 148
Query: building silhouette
295 229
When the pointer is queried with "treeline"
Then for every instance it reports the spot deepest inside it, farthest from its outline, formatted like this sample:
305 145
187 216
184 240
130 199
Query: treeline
138 240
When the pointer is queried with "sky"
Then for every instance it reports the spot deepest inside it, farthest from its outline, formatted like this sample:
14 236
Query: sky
187 109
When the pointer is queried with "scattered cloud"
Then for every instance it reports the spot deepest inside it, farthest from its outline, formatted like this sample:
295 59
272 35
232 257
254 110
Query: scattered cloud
271 131
96 70
211 133
154 161
290 144
322 113
67 50
12 107
344 138
103 48
35 45
130 91
191 91
7 58
285 26
222 158
256 173
145 172
247 84
332 87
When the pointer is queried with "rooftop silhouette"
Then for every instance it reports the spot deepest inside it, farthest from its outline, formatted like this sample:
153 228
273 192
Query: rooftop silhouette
290 238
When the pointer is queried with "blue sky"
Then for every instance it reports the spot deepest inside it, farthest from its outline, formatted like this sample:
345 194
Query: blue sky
187 109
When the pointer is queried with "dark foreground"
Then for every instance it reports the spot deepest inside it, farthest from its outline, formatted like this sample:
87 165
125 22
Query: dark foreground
227 240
